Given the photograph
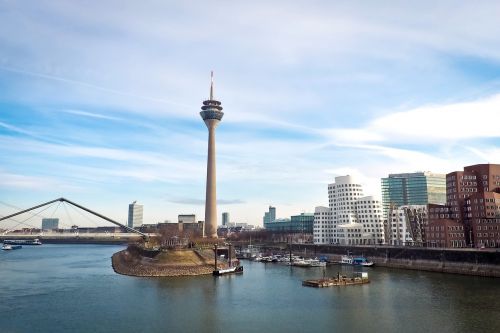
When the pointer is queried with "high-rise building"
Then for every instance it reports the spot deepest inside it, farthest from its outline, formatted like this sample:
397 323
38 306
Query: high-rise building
354 218
50 223
225 219
211 113
269 216
417 188
135 213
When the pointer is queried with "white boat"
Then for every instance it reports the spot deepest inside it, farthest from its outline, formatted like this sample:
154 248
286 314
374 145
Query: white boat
308 263
230 270
8 247
356 261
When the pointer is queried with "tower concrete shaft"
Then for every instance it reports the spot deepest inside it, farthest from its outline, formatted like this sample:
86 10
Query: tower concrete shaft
212 114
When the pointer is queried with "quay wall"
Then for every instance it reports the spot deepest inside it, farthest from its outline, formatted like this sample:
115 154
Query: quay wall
456 261
107 239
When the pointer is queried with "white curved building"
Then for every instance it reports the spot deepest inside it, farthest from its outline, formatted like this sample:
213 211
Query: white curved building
355 219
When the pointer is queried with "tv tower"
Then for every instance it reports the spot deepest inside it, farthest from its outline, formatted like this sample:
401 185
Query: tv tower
211 113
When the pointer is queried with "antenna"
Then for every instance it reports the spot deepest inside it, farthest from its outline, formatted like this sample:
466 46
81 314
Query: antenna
211 85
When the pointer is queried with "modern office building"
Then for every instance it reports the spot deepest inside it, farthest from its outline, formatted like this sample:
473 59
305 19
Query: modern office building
269 216
418 188
211 113
50 223
354 219
135 215
302 223
225 219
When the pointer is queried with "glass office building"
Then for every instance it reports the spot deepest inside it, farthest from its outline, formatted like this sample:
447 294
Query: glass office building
418 188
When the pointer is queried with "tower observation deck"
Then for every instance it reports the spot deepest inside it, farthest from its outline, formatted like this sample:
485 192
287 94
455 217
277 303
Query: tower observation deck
211 113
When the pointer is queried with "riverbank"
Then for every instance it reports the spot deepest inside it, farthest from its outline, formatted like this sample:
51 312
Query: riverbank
452 261
134 261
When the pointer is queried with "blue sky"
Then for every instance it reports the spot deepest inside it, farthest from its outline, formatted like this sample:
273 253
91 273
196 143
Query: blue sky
100 100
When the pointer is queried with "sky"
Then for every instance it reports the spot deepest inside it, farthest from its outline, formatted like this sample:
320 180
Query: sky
100 100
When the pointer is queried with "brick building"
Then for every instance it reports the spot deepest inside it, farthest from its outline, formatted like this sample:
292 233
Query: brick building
472 209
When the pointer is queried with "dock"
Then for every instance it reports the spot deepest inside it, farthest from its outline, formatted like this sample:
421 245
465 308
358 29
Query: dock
339 281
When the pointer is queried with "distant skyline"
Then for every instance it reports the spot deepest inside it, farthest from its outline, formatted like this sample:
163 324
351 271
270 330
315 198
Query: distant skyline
100 101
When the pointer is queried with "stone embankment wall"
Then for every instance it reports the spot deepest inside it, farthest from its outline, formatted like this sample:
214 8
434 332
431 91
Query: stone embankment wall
183 262
458 261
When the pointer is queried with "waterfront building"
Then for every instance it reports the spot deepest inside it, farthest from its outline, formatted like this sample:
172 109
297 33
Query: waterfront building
225 219
471 215
323 225
298 227
443 230
211 113
406 225
135 215
370 216
50 223
417 188
354 219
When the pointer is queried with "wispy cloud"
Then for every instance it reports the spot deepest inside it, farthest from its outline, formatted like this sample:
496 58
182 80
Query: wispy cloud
91 115
361 88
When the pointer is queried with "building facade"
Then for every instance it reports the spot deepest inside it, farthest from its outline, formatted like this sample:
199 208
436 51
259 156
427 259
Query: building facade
323 225
353 219
225 219
406 225
418 188
473 198
50 223
302 223
270 215
135 215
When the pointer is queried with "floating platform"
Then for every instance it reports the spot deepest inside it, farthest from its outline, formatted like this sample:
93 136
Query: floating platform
338 281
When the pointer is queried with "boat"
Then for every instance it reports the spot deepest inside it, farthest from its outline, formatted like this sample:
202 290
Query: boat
8 247
230 270
238 269
339 280
308 263
356 261
248 252
35 241
362 261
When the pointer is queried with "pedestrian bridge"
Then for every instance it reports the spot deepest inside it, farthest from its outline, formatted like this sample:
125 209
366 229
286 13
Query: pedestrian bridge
64 200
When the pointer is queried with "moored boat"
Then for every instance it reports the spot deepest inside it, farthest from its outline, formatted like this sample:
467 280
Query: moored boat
8 247
230 270
356 261
35 241
339 280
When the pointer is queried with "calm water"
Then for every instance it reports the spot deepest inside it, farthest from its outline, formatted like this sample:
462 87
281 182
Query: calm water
72 288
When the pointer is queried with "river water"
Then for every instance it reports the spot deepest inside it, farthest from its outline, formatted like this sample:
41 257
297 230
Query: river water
72 288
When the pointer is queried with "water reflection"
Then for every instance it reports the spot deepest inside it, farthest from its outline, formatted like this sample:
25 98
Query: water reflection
60 290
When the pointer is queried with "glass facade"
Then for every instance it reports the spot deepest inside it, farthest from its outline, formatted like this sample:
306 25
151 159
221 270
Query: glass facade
419 188
302 223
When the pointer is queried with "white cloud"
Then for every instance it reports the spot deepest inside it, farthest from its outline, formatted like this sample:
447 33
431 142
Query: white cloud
434 124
